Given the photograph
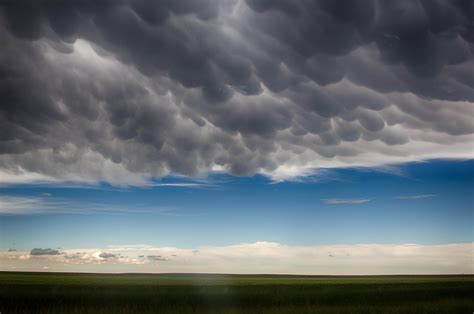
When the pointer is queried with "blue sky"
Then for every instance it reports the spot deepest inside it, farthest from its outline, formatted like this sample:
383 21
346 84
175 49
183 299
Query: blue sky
423 203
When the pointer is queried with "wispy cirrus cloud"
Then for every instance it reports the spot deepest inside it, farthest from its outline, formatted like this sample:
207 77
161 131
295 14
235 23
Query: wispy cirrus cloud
33 182
47 204
415 197
181 185
345 201
25 205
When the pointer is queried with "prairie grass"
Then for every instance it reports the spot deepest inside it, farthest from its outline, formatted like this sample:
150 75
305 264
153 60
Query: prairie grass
142 293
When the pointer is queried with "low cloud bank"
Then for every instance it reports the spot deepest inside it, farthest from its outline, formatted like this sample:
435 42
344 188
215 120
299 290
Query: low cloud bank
258 257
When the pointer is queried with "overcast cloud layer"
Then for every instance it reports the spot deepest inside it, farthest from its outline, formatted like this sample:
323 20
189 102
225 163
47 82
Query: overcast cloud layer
126 90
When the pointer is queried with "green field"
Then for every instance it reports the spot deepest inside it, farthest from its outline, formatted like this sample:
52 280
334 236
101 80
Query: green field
179 293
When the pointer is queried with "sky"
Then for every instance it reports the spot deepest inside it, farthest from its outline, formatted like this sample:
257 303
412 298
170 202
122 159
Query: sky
249 136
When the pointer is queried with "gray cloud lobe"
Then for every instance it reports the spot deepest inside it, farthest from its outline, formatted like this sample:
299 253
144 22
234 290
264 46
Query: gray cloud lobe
157 258
39 251
126 90
107 255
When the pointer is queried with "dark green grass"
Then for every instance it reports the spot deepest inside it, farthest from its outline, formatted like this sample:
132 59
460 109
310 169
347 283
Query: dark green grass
141 293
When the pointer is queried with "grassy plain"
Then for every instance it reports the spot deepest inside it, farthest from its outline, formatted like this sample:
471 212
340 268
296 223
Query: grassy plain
183 293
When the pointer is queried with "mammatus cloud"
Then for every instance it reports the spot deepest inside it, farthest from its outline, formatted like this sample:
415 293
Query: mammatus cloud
122 91
258 257
415 197
342 201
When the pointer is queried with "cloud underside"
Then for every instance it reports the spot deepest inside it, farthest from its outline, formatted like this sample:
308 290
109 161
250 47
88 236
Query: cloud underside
259 257
122 91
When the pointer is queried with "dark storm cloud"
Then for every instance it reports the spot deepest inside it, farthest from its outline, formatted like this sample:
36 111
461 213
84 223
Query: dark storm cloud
123 90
